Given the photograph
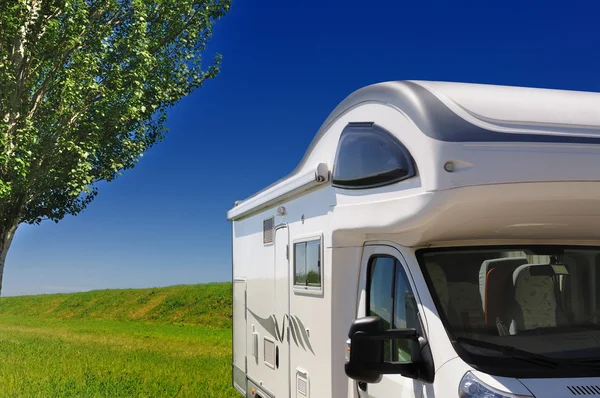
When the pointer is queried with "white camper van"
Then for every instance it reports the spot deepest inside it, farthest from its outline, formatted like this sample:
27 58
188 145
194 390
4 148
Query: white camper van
436 240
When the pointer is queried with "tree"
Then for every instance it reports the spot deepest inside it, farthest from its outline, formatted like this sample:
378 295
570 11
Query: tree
84 90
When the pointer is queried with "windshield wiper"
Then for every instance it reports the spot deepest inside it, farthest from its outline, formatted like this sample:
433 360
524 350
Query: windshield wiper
585 367
513 352
590 362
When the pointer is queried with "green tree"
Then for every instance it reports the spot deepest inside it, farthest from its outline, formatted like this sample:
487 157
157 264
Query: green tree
84 90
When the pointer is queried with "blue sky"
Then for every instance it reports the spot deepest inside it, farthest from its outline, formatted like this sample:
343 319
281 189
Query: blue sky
286 65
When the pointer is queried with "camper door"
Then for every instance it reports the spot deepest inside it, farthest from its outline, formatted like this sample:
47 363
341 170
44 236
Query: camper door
281 363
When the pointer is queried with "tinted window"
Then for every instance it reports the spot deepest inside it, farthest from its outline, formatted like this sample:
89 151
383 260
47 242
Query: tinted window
405 314
380 294
369 156
307 263
531 298
300 263
313 263
391 298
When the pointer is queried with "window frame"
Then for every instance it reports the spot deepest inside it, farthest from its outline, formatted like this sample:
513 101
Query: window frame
305 289
367 182
398 266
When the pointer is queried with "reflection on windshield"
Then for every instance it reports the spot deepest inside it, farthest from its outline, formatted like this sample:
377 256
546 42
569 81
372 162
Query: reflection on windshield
541 300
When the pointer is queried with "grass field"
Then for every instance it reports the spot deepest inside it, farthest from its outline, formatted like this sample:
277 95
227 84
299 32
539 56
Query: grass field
166 342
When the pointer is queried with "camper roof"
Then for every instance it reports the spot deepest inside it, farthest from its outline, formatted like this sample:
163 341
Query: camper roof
465 112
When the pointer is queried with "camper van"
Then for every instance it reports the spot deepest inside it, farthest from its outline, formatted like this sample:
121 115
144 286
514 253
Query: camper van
436 240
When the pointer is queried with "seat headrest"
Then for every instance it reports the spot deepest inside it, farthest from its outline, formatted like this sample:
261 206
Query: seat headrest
509 262
533 270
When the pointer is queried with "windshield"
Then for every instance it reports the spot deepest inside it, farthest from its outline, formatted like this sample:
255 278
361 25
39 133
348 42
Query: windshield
509 307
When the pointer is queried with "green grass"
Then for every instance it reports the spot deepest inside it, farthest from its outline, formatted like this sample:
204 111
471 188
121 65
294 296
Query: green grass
207 305
164 342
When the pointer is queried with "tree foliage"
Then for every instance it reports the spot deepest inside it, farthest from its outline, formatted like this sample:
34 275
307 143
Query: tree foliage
84 89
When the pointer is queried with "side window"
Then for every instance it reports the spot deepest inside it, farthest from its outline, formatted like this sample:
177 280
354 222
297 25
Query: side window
307 264
390 297
381 298
369 156
405 313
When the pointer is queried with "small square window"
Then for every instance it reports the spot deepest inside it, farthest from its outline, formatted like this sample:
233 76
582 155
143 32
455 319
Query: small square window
307 264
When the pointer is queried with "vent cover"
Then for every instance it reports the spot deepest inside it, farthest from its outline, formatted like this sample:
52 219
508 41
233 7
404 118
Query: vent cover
302 386
269 353
302 389
584 390
268 226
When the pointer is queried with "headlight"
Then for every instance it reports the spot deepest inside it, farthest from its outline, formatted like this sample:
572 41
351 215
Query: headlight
472 387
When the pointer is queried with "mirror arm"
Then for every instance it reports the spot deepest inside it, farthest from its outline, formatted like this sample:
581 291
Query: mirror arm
405 369
389 334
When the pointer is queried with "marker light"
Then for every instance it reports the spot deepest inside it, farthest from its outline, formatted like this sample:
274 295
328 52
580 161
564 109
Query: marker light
471 387
347 350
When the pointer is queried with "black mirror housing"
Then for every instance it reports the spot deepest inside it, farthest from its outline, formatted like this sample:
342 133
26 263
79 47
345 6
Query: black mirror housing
365 352
366 363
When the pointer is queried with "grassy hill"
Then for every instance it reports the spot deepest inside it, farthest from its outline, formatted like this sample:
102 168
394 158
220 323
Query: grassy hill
162 342
205 305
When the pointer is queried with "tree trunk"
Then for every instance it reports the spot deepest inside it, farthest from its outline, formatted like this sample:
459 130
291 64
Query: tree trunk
6 237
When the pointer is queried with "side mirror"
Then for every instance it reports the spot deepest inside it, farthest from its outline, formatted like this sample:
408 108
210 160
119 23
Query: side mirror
366 361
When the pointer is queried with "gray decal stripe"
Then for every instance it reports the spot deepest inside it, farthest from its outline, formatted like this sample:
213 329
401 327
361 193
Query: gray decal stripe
296 330
550 127
280 332
304 334
439 122
293 332
267 323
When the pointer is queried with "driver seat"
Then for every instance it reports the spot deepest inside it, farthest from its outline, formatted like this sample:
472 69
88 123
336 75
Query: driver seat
535 303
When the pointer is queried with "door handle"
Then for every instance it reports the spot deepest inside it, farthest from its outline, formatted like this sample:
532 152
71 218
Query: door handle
255 345
277 357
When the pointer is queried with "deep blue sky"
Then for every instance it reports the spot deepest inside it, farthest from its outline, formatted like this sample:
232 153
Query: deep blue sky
285 67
